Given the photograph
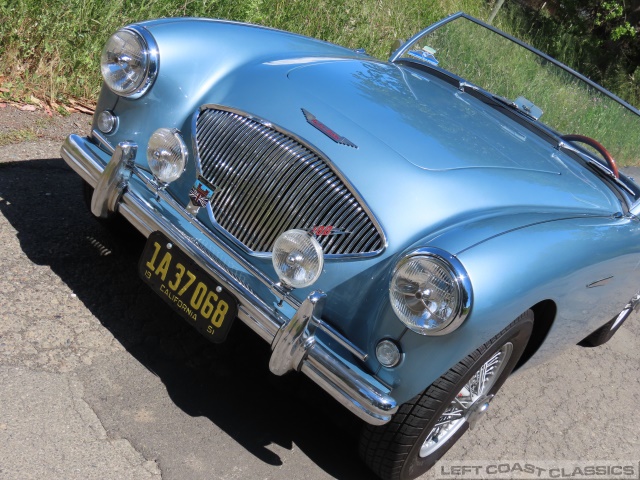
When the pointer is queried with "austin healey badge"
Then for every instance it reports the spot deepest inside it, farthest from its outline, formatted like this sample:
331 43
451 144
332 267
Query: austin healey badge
200 194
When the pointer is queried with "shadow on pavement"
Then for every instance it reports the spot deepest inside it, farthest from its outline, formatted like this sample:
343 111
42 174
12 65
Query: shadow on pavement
226 383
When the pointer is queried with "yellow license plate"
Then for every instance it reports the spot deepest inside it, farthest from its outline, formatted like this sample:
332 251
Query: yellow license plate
190 291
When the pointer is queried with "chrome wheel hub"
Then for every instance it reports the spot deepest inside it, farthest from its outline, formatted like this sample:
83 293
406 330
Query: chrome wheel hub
470 404
476 411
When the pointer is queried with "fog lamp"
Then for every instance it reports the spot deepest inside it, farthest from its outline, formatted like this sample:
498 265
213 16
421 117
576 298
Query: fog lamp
388 353
167 154
297 258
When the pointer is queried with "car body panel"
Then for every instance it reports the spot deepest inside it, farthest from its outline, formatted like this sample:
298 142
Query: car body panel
546 251
281 104
435 165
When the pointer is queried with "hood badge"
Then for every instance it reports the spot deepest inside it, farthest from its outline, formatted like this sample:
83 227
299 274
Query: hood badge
200 194
326 130
326 231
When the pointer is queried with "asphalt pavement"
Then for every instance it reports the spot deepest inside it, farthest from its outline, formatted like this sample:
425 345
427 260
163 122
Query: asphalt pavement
99 379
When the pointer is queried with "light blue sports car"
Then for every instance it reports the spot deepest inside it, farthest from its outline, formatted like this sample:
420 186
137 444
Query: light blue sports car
405 233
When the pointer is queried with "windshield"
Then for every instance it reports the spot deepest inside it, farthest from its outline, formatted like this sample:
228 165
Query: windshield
565 101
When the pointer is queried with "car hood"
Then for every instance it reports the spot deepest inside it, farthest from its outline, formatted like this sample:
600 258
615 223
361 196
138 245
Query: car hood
423 155
429 154
428 122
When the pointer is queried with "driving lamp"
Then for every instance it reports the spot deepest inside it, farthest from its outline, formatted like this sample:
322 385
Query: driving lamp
167 155
430 292
297 258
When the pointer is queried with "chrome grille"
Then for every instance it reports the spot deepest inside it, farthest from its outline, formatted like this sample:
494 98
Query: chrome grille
269 182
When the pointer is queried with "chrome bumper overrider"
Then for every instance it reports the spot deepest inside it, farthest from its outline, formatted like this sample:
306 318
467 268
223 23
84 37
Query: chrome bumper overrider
292 337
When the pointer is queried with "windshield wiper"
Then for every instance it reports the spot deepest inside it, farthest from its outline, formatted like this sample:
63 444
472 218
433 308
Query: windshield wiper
522 105
504 101
450 78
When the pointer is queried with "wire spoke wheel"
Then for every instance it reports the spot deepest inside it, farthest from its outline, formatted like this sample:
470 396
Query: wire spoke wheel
428 425
472 396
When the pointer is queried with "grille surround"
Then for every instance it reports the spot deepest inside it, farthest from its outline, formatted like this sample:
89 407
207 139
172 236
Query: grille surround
236 151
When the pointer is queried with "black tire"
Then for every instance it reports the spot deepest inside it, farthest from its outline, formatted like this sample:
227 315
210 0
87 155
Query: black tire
601 335
606 332
392 450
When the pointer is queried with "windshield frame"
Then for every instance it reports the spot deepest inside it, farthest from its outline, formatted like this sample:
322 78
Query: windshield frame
407 45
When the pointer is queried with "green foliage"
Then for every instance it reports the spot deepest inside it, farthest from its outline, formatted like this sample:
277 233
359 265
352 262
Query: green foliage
53 46
611 16
597 38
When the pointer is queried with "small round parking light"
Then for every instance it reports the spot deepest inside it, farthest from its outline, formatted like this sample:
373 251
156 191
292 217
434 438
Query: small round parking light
388 353
107 122
167 155
297 258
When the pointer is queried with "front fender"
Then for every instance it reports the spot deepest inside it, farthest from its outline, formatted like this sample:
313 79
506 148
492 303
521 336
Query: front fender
201 61
512 271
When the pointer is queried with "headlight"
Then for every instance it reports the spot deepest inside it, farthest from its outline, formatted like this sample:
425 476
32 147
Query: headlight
297 258
430 292
129 62
167 154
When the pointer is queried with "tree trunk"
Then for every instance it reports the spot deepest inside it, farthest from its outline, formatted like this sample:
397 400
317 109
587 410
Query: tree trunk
494 12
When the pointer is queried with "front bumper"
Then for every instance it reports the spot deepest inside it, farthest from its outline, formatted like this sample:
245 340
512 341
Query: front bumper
290 328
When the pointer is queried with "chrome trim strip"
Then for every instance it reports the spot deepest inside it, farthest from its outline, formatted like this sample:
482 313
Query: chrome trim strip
628 310
349 385
289 136
332 333
102 141
600 283
591 160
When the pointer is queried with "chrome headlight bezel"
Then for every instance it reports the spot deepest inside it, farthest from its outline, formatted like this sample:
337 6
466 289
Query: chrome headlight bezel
460 282
149 62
